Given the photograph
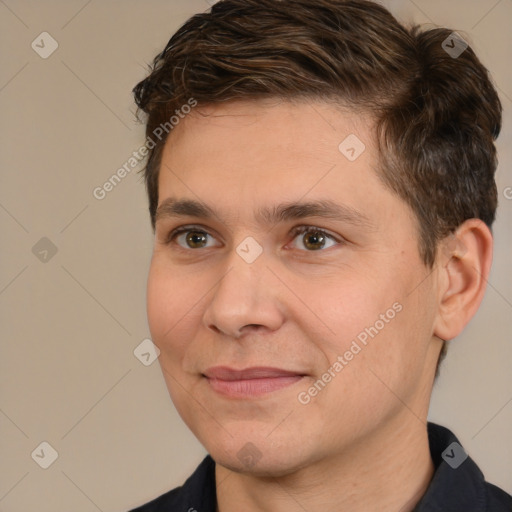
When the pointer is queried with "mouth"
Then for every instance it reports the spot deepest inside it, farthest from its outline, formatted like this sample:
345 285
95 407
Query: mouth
250 382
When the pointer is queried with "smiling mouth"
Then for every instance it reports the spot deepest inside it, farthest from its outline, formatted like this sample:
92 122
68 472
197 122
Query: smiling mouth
249 382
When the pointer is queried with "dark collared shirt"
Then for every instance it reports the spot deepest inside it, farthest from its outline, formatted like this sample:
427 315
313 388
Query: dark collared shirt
457 485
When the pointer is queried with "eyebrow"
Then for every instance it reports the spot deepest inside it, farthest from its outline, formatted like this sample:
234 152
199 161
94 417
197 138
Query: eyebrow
172 207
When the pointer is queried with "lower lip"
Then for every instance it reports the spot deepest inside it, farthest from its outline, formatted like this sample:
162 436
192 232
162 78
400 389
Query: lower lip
252 387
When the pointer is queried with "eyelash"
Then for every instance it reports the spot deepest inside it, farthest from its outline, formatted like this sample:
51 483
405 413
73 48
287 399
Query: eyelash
299 230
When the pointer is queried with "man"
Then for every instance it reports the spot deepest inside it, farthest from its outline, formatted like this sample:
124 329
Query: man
321 185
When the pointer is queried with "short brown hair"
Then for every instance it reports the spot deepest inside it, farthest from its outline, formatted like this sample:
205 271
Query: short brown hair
436 116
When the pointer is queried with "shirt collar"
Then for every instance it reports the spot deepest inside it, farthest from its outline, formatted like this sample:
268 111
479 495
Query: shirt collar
458 483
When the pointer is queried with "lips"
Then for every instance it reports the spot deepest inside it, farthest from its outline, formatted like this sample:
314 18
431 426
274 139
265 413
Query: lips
256 372
249 382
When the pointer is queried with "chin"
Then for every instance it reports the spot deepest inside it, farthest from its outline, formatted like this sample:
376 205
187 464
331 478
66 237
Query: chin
258 456
259 468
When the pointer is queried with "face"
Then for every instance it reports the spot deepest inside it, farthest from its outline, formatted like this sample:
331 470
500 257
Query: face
286 292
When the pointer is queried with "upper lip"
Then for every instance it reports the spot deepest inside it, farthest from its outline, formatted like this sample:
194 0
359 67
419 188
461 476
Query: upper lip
254 372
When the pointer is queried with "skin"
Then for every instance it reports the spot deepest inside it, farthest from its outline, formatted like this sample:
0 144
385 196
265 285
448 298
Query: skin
361 442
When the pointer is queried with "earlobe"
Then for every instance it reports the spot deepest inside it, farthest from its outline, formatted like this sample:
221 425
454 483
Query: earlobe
464 263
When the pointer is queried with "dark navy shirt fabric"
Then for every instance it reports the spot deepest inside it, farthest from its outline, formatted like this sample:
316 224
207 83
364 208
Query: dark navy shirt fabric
455 487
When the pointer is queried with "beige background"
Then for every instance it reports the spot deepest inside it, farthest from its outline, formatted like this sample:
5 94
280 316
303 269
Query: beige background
68 374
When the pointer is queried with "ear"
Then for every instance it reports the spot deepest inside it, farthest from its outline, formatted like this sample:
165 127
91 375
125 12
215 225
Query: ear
464 264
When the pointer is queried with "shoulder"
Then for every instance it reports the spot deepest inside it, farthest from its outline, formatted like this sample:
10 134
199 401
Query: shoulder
197 493
162 503
497 499
458 483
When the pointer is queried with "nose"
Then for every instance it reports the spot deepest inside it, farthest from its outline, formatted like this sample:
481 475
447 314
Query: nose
244 300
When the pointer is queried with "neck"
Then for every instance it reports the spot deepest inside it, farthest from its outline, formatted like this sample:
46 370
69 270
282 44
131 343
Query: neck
388 471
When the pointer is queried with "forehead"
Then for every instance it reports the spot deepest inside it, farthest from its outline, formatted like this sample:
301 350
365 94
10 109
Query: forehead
275 141
308 126
243 156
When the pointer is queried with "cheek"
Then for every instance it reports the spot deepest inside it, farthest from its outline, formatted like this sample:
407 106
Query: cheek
350 309
395 341
172 310
160 301
373 324
170 306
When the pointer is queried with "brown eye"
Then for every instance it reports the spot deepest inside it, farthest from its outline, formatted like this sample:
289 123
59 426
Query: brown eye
191 238
314 240
196 239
